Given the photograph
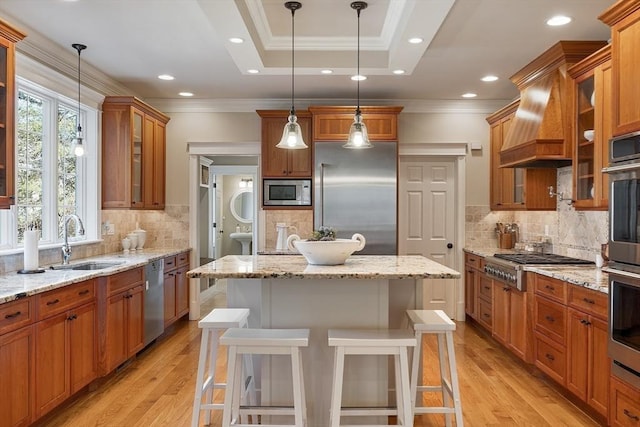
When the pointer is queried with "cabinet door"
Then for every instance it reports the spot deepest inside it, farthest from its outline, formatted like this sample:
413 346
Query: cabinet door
159 167
135 320
182 292
599 367
116 156
625 404
52 363
577 352
169 298
625 44
470 292
275 161
17 376
116 344
518 319
137 158
501 310
148 145
82 346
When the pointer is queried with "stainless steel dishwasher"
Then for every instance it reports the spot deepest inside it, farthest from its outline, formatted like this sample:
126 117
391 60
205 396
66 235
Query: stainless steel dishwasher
153 300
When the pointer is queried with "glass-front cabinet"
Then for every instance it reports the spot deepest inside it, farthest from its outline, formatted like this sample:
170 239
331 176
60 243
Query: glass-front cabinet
136 160
592 130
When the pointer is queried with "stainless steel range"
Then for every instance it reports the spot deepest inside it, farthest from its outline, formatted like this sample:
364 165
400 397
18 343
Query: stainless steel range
509 267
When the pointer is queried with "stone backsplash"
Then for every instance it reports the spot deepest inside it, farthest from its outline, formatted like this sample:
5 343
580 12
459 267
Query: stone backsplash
301 219
572 233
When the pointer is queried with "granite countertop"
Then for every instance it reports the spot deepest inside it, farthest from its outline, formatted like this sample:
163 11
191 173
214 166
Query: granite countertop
296 267
14 285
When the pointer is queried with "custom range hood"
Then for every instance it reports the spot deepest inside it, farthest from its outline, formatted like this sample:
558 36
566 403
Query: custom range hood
539 135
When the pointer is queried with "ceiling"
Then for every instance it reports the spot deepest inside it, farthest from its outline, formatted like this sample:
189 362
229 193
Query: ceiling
133 41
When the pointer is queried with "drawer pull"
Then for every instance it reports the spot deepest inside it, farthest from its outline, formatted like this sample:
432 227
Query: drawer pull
506 289
485 314
631 415
585 322
54 302
549 287
550 318
472 259
83 292
72 317
487 288
12 315
550 357
588 300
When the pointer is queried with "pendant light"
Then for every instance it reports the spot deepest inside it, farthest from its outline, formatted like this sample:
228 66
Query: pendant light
292 134
79 149
358 136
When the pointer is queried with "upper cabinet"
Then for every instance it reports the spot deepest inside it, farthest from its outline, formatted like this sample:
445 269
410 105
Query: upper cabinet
8 38
133 154
333 123
591 109
515 188
281 162
624 19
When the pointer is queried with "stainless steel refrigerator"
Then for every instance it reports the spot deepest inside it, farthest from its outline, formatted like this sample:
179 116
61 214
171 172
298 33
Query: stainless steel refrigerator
355 191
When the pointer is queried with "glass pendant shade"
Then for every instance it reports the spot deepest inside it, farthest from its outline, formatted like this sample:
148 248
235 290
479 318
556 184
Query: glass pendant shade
292 135
79 150
358 136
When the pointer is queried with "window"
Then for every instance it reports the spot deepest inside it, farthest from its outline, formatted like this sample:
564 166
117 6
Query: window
51 182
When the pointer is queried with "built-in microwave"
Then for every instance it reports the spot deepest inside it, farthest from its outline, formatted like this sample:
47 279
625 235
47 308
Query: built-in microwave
286 192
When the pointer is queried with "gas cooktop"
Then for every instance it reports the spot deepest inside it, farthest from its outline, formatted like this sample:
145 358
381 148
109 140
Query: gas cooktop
536 258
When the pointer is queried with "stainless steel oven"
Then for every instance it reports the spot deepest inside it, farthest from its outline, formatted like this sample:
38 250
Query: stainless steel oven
624 324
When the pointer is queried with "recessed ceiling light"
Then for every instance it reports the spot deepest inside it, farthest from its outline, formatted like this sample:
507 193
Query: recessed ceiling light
253 71
469 95
489 78
165 77
558 20
327 71
416 40
185 94
236 40
398 72
358 77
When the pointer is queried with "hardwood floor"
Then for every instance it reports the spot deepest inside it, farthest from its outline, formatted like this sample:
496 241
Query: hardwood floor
156 389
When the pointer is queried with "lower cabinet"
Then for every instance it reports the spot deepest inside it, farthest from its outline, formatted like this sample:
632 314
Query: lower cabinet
549 323
510 318
17 377
176 287
484 293
624 404
124 317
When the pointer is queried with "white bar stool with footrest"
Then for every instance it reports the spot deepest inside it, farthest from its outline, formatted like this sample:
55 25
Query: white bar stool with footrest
372 342
212 324
436 322
243 341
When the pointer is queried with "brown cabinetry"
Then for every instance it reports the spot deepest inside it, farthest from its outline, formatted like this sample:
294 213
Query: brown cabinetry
549 319
485 301
280 162
591 109
624 19
510 318
124 317
9 36
17 363
624 404
515 188
133 154
471 277
176 287
333 123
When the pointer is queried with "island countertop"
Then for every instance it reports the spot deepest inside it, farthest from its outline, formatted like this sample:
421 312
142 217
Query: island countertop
296 267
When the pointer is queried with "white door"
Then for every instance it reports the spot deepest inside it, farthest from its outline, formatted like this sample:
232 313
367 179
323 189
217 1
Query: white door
213 232
217 209
427 221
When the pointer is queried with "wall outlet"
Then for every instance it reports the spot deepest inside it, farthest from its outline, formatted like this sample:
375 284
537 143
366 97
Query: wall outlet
108 228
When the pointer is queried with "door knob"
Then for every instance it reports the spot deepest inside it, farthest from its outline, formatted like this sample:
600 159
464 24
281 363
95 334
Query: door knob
449 245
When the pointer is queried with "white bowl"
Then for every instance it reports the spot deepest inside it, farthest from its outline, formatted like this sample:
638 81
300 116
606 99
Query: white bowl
589 134
329 252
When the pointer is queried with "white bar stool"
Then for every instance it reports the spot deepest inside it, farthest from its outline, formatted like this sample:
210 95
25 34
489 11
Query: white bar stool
264 341
436 322
372 342
212 324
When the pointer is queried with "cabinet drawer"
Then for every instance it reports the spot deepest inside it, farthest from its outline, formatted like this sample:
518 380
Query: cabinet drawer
550 358
182 259
169 263
59 300
625 404
551 288
589 301
484 313
472 260
550 319
486 288
126 279
15 314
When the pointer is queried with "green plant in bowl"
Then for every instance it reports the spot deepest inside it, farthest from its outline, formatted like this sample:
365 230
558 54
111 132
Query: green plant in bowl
323 234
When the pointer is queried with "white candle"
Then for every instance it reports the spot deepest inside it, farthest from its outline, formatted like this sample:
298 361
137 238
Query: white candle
31 238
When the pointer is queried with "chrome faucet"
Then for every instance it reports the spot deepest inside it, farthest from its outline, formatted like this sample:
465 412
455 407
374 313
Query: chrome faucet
66 249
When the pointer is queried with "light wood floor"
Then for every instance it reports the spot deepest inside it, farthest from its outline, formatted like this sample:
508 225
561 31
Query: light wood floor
156 389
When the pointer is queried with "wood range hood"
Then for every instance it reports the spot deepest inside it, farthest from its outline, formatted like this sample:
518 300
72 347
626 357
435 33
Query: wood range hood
540 133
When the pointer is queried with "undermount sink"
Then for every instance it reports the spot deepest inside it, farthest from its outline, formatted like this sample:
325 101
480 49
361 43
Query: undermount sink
245 241
93 265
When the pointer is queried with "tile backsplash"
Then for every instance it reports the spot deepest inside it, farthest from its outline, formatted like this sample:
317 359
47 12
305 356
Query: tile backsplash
572 233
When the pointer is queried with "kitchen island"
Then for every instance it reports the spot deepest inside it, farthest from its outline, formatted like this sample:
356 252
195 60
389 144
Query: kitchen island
283 291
